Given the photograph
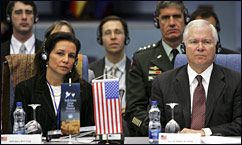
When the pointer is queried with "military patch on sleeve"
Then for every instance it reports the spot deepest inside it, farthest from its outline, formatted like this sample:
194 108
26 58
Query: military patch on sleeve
136 121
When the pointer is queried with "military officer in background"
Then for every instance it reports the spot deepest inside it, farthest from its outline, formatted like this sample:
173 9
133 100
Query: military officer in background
148 62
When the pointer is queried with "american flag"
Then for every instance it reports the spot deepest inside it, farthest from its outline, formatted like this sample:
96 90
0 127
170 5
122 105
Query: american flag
107 110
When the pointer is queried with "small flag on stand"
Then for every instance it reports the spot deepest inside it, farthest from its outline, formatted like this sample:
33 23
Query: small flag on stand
107 107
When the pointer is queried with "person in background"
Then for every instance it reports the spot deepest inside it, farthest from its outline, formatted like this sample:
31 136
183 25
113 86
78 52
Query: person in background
61 49
113 35
170 17
22 15
65 26
210 16
209 95
59 26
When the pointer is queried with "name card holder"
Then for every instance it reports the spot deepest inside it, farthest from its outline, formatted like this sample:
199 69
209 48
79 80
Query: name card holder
21 139
179 138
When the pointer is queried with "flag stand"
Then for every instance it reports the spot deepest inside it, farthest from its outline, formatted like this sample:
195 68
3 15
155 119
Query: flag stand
110 138
107 139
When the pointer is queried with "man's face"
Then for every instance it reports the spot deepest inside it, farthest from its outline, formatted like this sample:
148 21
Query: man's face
22 17
200 47
210 19
172 23
113 36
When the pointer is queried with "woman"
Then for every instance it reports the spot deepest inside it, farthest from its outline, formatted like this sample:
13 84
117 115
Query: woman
64 26
45 87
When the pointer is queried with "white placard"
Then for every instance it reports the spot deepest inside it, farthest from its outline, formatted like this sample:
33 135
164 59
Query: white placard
21 139
179 138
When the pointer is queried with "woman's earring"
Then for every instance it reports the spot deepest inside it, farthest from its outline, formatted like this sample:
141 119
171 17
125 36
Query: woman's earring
46 65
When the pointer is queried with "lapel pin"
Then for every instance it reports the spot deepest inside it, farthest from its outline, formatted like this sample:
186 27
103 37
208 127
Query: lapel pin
159 56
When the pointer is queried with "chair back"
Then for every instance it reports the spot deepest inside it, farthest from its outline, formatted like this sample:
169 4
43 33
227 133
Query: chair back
20 67
231 61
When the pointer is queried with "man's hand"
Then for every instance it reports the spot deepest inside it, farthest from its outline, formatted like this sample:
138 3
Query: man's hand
186 130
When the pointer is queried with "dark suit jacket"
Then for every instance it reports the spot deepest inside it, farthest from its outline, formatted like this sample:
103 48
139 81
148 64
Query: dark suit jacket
223 103
98 67
146 65
36 91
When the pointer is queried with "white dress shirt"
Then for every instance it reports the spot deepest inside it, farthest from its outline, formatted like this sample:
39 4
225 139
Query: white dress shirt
29 44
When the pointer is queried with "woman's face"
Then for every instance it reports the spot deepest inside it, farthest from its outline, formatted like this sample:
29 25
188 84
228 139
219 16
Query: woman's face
61 58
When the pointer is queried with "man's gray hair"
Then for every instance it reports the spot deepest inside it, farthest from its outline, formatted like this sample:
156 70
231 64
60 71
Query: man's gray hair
200 23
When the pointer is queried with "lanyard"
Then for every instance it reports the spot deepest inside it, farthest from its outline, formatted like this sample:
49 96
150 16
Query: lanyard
57 109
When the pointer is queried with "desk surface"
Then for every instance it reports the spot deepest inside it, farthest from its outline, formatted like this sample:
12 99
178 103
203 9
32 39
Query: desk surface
145 140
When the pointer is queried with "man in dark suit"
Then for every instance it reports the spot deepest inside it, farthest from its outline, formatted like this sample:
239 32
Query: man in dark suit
113 35
170 17
209 105
22 15
210 16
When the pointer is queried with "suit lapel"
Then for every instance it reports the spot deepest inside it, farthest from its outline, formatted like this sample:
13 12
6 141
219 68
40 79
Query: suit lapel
161 59
127 67
43 94
216 86
38 44
181 87
100 67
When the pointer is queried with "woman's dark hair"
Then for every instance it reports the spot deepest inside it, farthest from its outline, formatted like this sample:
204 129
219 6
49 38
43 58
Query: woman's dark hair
58 25
48 46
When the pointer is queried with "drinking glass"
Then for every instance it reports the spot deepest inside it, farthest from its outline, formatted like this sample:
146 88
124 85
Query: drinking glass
172 126
33 127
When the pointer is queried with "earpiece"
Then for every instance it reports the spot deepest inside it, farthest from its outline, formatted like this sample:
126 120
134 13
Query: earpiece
127 39
156 23
44 56
76 61
36 19
8 19
218 47
99 37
